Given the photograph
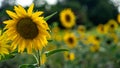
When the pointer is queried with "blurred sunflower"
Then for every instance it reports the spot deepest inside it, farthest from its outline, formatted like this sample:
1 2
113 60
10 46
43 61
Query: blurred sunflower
43 59
70 40
4 47
26 29
118 18
67 18
50 47
94 39
56 34
113 37
94 47
101 29
81 29
111 25
69 56
95 43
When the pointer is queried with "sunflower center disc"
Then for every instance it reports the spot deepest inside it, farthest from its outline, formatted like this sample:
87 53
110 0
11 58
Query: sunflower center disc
27 28
70 40
112 26
102 28
67 18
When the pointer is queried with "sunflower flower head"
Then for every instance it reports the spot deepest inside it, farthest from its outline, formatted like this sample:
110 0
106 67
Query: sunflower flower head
4 47
70 40
43 59
94 47
118 18
111 25
69 56
101 29
67 18
27 29
81 29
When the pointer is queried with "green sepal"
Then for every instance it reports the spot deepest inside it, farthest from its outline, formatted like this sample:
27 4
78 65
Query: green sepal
48 53
50 16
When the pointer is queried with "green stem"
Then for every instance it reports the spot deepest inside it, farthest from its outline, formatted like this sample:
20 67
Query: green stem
39 58
35 58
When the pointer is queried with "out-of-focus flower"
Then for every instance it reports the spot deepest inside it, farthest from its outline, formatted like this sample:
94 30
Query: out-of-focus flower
118 18
94 39
43 59
81 29
67 18
113 37
50 47
101 29
4 47
94 47
111 25
70 40
69 56
26 29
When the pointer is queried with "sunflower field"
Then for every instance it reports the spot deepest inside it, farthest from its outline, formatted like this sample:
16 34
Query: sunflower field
60 34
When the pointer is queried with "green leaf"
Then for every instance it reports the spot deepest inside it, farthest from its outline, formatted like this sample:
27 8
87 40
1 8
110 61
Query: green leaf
48 53
6 57
27 66
49 40
50 16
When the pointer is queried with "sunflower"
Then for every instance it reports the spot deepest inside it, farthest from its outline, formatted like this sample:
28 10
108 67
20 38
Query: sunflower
4 47
69 56
118 18
67 18
70 40
81 29
94 47
101 29
111 25
112 38
56 34
27 29
43 59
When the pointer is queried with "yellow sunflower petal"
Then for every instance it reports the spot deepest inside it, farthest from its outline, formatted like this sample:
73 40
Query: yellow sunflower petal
36 14
37 45
14 43
12 14
30 9
18 11
20 46
29 47
23 11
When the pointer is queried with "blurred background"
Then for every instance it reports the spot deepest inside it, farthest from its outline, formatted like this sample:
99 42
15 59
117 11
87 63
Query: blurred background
89 15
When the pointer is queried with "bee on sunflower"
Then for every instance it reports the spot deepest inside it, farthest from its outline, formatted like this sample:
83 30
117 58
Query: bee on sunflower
67 18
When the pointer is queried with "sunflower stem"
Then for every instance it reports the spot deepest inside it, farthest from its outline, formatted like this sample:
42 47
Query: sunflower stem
35 58
39 58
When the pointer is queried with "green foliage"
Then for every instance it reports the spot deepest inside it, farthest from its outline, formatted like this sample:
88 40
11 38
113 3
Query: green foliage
27 66
49 53
50 16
